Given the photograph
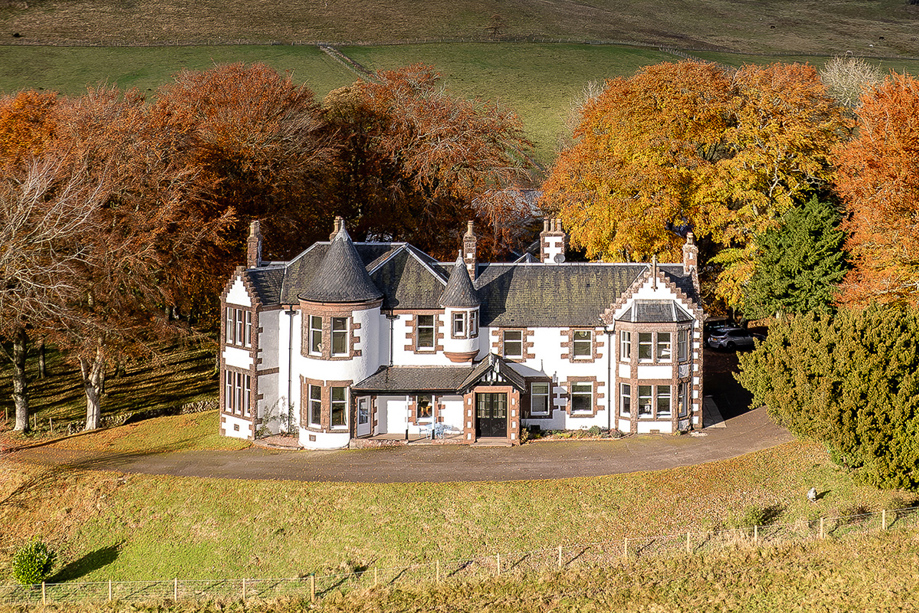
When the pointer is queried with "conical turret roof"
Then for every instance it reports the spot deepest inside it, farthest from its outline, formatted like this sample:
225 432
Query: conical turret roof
459 291
342 276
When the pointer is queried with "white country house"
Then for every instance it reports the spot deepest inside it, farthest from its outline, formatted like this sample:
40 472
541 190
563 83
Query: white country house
362 339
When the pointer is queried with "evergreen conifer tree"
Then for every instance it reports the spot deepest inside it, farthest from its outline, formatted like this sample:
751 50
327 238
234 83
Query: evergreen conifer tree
800 264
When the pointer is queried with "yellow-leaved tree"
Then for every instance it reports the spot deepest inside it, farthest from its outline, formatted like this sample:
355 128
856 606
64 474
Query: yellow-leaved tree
690 145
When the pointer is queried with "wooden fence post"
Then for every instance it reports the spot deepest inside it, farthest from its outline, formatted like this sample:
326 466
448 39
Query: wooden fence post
498 557
244 590
560 557
313 588
756 535
175 590
110 590
44 596
437 571
821 528
883 519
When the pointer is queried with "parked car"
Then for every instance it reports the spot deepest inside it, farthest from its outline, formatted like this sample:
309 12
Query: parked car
733 338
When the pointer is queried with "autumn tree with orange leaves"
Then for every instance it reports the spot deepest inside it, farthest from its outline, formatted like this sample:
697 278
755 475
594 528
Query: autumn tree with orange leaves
417 163
689 145
878 179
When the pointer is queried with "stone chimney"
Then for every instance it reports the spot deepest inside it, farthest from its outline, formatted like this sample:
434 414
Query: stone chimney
654 272
552 242
469 241
690 254
339 220
254 245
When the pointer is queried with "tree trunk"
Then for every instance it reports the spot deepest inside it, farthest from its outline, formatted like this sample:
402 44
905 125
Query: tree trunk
41 359
20 383
94 386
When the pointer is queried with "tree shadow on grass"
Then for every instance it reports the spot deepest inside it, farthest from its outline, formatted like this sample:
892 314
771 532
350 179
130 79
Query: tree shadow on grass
93 560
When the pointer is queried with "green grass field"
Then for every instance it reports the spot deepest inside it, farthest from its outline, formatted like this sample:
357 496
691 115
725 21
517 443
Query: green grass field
157 527
878 27
538 81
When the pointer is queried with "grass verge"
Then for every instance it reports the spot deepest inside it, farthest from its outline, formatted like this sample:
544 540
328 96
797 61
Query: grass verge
151 527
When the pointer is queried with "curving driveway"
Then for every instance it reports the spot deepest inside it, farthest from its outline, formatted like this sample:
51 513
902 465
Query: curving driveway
750 431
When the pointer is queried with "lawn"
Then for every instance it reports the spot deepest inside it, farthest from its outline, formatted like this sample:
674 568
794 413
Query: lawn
153 527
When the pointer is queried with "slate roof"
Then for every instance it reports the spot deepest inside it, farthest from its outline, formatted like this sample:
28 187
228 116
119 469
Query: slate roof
655 311
456 379
459 291
342 275
510 294
551 294
415 379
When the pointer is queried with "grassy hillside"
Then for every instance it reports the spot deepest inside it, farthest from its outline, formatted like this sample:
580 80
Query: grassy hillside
882 27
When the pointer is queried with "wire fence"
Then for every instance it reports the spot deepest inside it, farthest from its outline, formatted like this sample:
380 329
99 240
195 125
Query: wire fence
597 554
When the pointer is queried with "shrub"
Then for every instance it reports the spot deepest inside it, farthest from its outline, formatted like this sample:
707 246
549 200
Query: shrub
32 563
759 516
850 381
594 430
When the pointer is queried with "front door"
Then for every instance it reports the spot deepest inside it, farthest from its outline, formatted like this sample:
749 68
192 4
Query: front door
491 415
363 416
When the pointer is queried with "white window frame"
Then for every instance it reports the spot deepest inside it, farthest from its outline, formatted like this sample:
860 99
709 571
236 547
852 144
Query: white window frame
663 350
663 392
646 413
473 324
459 324
580 389
625 399
432 327
342 405
539 401
340 335
315 405
625 345
505 341
647 345
683 399
237 390
315 348
579 345
683 344
239 327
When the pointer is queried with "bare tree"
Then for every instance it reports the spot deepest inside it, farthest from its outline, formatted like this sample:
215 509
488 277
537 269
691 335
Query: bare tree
44 210
846 78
